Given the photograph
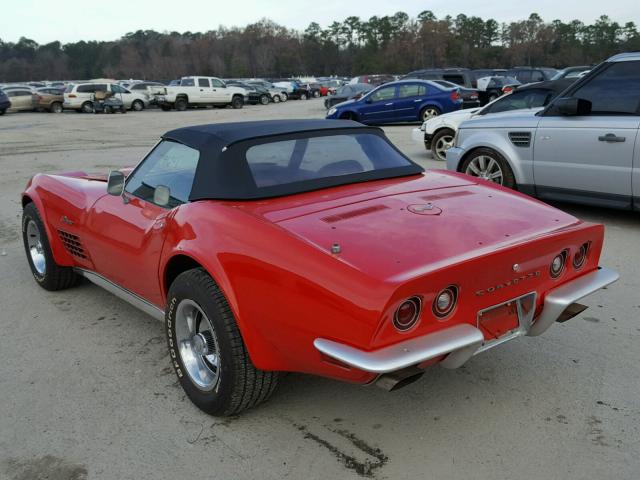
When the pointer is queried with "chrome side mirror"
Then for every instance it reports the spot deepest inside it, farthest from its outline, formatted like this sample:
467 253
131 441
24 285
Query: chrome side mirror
115 183
161 195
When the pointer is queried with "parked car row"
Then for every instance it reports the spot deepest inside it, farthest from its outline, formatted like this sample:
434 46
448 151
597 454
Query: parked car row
581 146
28 98
189 91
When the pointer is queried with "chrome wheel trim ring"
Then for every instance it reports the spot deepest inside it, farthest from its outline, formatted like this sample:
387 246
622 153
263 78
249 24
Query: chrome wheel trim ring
443 144
197 345
485 167
36 251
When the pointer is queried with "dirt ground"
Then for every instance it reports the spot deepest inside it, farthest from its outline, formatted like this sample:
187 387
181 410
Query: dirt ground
86 388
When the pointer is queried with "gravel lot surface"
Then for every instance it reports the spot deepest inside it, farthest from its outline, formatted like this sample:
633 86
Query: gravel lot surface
86 389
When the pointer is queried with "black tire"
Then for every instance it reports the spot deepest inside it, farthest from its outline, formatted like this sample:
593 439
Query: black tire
303 96
165 108
87 107
508 178
285 96
428 112
276 99
56 107
316 94
53 277
240 385
181 104
3 111
445 135
237 102
108 109
264 99
137 106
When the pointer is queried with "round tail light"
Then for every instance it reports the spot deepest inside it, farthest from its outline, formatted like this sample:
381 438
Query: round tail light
407 314
580 256
557 264
445 301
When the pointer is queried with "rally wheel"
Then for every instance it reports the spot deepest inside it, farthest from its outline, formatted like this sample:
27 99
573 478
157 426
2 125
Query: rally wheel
207 350
47 273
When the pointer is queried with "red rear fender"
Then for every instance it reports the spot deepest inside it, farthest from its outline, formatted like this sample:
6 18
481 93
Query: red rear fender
284 292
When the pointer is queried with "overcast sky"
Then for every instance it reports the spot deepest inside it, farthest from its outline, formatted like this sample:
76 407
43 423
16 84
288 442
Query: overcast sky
110 19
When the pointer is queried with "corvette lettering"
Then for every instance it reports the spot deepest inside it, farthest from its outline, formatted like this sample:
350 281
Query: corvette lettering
509 283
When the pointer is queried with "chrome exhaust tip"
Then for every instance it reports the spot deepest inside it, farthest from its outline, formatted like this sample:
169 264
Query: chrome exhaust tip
401 378
571 311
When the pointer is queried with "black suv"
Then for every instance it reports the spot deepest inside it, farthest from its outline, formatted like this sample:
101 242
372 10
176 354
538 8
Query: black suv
460 76
531 74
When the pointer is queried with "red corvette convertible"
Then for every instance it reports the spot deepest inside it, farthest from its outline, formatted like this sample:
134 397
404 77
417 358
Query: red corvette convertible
311 246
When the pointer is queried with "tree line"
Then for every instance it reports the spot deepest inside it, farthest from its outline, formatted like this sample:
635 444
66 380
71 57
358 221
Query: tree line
388 44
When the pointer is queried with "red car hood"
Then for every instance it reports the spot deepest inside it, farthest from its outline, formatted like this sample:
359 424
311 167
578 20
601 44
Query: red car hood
398 229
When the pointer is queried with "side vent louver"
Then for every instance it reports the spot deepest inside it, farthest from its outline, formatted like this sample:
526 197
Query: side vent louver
520 139
72 244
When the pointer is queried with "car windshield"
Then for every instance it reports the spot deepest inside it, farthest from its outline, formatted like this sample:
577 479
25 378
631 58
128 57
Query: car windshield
315 158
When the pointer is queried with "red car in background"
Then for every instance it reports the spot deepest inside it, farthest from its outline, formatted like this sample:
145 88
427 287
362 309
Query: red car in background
310 246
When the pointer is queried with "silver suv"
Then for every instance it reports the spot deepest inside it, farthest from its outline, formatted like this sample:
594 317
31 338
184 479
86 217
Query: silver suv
583 147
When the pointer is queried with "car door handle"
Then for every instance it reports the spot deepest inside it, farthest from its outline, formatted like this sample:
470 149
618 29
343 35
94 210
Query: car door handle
611 138
418 100
388 104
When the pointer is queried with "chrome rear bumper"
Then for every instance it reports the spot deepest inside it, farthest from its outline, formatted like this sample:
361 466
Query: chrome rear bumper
558 299
462 341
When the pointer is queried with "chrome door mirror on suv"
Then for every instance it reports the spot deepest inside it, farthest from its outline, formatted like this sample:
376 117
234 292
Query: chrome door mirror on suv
115 183
573 106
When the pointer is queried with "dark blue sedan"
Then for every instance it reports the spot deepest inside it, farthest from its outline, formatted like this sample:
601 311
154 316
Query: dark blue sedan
402 101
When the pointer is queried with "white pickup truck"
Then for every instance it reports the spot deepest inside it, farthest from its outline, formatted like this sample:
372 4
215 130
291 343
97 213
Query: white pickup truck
201 91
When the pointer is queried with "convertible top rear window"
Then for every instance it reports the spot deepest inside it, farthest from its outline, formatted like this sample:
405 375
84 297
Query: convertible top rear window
290 161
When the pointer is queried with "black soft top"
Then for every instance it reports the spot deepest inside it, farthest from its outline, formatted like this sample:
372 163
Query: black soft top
225 134
223 173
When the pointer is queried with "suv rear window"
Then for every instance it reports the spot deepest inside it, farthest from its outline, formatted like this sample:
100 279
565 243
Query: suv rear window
296 160
457 79
88 88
